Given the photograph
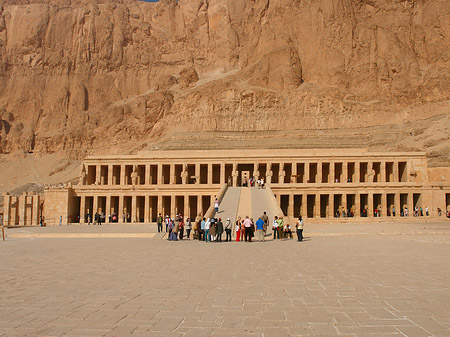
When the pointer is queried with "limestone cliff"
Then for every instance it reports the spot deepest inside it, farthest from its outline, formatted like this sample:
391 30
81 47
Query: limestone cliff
116 76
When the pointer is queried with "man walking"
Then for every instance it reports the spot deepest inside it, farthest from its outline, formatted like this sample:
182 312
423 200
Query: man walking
299 229
159 221
260 229
265 218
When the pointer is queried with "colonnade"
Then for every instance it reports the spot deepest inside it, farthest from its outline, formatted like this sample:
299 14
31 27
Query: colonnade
24 210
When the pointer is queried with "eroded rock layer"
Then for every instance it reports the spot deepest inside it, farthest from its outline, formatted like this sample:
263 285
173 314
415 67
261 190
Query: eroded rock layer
117 76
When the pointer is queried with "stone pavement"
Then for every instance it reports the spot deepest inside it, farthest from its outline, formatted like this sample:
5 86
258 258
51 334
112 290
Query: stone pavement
380 280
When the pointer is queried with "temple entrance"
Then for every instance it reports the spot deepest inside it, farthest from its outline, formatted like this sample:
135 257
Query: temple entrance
245 177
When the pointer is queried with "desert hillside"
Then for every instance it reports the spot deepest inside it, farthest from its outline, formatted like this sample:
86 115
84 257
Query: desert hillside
98 76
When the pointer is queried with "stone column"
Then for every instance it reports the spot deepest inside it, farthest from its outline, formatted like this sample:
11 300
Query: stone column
357 205
147 214
294 173
110 175
98 171
159 174
210 175
173 209
344 203
370 204
332 172
319 172
197 174
357 172
82 209
344 172
172 174
108 207
281 174
199 205
290 211
269 173
383 172
23 211
384 206
94 207
331 205
186 208
410 205
120 210
235 174
306 178
317 206
159 206
222 174
397 204
147 174
122 175
133 209
396 180
304 207
370 170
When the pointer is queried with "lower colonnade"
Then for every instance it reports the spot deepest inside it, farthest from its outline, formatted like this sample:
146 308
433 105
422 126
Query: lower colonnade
317 184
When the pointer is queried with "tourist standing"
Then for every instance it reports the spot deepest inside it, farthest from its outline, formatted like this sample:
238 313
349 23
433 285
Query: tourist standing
167 222
238 229
188 228
213 229
228 230
207 226
159 222
280 227
175 229
219 230
248 229
181 228
260 229
216 205
299 226
202 230
275 228
426 211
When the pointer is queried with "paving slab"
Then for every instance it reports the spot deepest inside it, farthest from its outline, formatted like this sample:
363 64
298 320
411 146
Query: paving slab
344 280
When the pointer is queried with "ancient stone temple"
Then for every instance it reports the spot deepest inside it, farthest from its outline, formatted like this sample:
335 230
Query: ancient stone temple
322 184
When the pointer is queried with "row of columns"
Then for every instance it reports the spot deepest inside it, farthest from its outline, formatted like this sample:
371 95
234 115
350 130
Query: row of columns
307 166
147 206
23 210
345 206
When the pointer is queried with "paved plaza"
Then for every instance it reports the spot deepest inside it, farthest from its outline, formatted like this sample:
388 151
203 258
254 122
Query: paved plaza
375 279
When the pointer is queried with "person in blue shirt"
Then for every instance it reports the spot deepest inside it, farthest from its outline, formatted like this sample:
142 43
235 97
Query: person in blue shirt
260 230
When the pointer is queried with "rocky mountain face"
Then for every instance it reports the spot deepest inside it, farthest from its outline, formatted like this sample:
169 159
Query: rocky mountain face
115 76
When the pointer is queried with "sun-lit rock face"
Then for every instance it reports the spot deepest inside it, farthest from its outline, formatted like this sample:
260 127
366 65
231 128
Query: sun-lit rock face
86 75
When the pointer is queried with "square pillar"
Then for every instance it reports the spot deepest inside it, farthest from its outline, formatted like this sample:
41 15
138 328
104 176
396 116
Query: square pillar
370 205
370 171
82 209
294 173
172 174
120 211
199 205
383 173
397 204
122 175
344 203
23 211
133 209
332 172
159 201
209 174
110 175
330 206
317 205
396 172
357 172
344 172
410 205
306 178
357 205
160 174
222 174
290 211
98 170
304 207
384 207
108 207
147 174
147 214
197 174
172 207
186 208
319 173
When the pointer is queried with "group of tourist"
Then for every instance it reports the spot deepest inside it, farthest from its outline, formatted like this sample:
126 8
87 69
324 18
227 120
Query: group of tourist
212 229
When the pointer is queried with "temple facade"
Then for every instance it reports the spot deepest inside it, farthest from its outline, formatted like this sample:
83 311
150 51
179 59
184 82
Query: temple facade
322 184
